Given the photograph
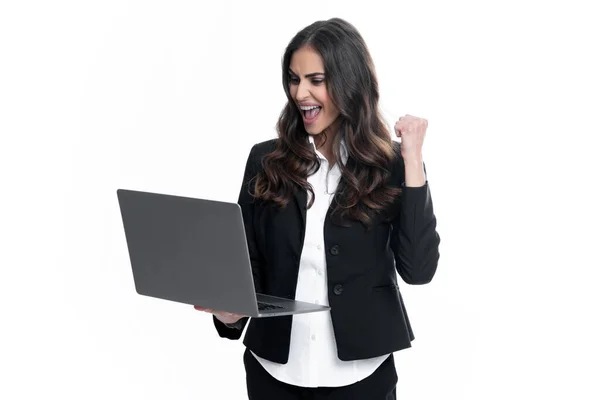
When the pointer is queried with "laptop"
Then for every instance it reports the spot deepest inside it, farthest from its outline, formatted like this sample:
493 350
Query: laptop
194 251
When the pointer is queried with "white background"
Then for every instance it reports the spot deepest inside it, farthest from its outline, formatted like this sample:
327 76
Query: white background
160 95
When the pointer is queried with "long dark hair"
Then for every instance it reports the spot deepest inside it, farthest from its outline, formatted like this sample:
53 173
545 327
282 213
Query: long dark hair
352 86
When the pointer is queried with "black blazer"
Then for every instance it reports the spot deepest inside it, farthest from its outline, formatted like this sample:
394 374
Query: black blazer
367 310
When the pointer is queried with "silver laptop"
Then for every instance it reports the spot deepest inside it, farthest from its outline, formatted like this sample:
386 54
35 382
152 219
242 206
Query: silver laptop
194 251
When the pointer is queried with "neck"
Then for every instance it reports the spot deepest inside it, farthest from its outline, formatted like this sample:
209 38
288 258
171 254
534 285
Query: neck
326 148
330 132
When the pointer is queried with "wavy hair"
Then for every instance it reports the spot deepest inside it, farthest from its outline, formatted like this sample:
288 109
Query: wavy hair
352 85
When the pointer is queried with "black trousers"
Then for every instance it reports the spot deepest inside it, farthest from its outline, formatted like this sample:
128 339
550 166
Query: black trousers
381 385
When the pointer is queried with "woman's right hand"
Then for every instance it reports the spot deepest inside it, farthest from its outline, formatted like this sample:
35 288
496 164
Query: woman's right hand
223 316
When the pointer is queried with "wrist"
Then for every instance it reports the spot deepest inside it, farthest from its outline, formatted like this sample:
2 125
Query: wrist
414 171
412 156
413 159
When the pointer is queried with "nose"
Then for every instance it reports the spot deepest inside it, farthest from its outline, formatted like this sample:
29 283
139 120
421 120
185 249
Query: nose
302 92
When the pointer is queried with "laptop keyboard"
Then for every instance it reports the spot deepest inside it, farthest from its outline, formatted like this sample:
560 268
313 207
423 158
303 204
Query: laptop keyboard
266 306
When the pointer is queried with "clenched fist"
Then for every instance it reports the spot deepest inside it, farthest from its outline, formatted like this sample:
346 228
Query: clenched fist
411 130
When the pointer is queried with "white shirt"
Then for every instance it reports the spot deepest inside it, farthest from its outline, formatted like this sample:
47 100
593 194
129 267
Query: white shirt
313 359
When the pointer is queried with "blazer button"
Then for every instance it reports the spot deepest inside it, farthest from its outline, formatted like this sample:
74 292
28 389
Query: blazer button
338 289
335 250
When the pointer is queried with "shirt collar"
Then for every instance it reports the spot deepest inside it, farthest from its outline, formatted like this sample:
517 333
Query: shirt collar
343 149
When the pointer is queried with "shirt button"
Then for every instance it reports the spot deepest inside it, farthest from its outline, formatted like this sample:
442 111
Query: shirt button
335 250
319 247
313 337
320 272
338 289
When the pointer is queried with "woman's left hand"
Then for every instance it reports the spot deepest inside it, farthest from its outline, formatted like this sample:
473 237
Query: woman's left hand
411 130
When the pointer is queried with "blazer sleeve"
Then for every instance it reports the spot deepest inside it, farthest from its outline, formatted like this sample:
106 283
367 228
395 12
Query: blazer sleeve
246 202
415 241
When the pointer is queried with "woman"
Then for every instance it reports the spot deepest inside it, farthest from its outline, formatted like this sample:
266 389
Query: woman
332 209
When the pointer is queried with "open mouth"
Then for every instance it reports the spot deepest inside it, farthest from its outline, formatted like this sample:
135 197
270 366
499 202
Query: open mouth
311 113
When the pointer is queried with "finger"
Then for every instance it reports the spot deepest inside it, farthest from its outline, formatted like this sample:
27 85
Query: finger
203 309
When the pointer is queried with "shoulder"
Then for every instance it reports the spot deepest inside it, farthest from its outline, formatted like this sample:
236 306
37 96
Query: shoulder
258 151
398 161
265 147
396 146
397 167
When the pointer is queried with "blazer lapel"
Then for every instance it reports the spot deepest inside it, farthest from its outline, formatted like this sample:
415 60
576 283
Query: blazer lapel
301 198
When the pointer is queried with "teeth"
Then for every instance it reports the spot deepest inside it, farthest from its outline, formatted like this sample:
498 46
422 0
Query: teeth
306 108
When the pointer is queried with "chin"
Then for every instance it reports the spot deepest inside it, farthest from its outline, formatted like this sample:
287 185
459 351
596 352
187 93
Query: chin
314 130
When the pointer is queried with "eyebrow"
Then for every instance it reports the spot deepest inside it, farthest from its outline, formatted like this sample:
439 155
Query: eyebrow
312 75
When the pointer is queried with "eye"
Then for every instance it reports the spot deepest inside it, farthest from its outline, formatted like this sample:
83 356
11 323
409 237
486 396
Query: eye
317 81
292 80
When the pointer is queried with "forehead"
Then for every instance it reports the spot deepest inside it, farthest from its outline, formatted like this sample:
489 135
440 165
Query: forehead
305 60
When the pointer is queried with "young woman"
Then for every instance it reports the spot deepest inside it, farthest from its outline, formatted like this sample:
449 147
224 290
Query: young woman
333 208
